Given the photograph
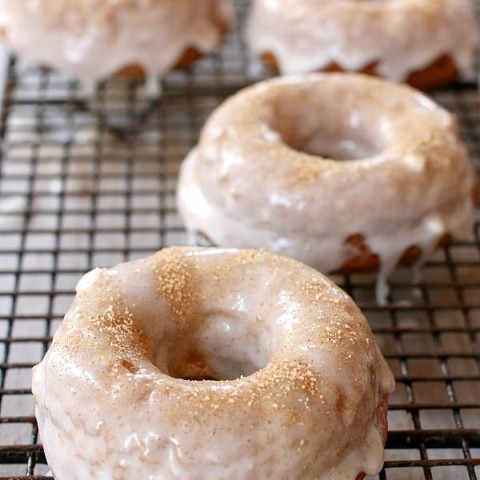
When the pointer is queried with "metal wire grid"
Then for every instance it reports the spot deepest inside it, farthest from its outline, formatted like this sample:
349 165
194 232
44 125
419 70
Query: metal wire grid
87 182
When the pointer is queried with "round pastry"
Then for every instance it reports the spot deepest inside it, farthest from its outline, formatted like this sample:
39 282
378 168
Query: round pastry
94 39
207 364
344 172
423 42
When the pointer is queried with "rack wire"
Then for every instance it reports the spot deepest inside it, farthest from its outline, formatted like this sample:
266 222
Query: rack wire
88 181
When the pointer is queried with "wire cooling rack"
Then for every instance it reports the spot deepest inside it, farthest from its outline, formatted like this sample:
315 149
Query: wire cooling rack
90 180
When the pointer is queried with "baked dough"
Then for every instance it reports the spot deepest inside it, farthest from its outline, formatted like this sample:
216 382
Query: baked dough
424 42
94 39
296 387
343 172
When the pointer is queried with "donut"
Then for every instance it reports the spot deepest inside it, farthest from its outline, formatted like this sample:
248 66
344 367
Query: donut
344 172
93 39
212 364
426 43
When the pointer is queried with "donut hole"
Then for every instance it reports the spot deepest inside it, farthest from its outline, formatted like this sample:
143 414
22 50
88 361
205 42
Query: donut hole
333 128
224 348
340 148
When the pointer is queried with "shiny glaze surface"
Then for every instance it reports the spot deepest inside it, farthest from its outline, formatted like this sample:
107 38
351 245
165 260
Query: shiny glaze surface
93 40
400 36
301 390
263 173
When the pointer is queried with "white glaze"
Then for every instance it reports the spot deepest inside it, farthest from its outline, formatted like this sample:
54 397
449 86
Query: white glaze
312 406
243 186
93 40
401 35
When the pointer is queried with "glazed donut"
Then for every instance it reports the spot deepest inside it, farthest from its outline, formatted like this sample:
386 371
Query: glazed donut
206 364
93 39
423 42
343 172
